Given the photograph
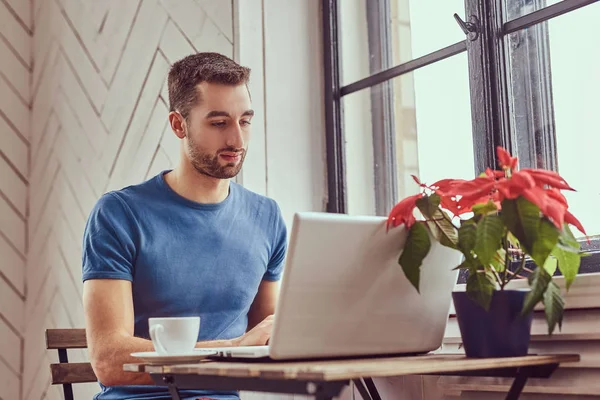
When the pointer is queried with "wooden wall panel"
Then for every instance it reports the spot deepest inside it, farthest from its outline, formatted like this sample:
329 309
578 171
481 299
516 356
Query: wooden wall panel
15 118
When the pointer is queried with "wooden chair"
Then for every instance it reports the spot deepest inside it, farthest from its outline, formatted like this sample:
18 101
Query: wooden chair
66 373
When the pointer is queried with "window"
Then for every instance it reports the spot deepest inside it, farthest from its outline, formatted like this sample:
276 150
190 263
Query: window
412 88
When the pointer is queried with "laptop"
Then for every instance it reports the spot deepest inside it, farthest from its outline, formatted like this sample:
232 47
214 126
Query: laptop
343 293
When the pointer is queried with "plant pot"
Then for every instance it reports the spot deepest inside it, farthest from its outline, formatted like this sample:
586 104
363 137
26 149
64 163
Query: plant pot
499 332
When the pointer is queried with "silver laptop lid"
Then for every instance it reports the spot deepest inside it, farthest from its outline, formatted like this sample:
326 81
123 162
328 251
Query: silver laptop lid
343 292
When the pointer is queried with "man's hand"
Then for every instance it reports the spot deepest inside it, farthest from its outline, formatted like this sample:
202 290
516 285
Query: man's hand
258 336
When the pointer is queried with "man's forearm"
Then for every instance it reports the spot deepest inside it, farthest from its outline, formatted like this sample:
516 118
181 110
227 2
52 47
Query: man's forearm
112 353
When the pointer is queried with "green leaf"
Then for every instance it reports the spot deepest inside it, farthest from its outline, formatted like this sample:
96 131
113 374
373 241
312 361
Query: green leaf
545 241
568 264
550 265
467 234
428 205
554 306
512 240
538 281
438 222
499 260
469 263
567 240
480 287
484 209
443 230
489 238
415 249
522 218
536 234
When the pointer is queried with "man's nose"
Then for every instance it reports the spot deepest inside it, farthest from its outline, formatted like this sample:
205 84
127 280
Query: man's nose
235 137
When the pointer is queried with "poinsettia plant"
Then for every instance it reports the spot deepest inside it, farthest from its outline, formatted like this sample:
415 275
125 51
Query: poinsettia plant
498 221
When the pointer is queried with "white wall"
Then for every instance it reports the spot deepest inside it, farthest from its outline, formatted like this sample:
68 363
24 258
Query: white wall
15 73
286 159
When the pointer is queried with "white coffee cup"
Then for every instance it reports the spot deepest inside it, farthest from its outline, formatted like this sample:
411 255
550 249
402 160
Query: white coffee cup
174 335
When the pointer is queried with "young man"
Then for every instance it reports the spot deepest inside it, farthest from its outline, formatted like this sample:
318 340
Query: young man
187 242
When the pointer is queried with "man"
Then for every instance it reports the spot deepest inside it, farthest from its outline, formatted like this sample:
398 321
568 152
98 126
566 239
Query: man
187 242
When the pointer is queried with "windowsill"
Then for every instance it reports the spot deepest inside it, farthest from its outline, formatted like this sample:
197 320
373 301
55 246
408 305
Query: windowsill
582 294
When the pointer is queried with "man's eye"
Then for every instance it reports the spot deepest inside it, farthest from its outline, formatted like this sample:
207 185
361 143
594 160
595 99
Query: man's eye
245 122
218 124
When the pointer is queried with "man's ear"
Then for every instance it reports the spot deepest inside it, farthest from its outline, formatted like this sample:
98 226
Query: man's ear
177 123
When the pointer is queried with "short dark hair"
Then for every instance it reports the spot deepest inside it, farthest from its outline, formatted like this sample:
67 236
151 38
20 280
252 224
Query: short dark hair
194 69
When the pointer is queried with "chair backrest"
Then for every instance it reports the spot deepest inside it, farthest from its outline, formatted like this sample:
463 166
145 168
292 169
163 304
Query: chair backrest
66 373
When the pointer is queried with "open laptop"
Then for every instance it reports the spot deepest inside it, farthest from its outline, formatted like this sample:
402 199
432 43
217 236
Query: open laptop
344 294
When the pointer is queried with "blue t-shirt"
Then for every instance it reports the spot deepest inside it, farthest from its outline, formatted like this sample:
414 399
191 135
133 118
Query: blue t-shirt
185 259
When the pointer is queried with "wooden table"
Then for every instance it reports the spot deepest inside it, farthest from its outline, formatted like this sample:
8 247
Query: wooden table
326 379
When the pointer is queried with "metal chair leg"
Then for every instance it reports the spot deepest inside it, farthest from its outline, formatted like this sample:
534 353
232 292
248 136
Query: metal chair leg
68 391
172 387
518 384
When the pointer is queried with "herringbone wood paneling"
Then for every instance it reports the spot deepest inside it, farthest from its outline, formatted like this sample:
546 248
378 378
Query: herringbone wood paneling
15 75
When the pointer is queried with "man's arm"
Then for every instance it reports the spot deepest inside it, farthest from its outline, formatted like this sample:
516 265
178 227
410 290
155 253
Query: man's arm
108 308
264 303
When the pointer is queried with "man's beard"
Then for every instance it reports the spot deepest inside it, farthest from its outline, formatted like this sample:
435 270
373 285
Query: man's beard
209 165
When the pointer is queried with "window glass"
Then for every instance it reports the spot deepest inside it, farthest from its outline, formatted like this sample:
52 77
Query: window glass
518 8
431 126
410 29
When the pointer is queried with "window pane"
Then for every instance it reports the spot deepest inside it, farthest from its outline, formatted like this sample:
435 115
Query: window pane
430 125
379 34
518 8
571 65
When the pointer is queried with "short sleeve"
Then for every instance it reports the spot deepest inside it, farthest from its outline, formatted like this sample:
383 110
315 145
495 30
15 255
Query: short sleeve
279 248
109 247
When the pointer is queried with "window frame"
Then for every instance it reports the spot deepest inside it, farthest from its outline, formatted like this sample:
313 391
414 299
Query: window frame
489 89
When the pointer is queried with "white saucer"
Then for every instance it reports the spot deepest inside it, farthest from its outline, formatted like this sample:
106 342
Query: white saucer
152 357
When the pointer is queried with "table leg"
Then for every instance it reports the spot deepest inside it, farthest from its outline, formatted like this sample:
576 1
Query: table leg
364 393
372 389
518 384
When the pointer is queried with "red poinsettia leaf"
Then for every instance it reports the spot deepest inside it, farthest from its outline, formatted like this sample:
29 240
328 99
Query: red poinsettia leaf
508 189
475 194
550 178
497 198
522 179
570 219
446 185
536 196
505 159
416 180
503 156
554 209
450 205
494 173
402 213
479 184
466 204
557 195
